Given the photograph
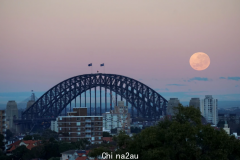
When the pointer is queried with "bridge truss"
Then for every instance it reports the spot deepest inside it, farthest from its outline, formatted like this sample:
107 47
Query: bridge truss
147 102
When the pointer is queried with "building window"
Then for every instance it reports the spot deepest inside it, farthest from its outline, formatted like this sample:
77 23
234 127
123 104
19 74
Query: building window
78 118
78 123
69 128
69 123
78 133
92 118
99 138
93 138
99 118
60 128
69 138
60 118
79 129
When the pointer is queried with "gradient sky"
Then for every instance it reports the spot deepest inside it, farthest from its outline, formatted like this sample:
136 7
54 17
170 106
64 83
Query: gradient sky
45 42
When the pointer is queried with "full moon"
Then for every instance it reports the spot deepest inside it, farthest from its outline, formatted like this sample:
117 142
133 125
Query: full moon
199 61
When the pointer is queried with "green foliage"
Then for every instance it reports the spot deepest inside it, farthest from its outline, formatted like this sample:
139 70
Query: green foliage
55 158
27 137
47 134
21 151
182 138
36 137
1 140
81 143
38 151
106 134
9 134
98 151
52 149
64 146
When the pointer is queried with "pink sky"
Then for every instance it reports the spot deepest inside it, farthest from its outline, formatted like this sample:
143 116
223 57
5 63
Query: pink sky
45 42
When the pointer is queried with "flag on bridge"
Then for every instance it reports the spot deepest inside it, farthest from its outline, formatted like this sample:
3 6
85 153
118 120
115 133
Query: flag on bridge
89 64
102 64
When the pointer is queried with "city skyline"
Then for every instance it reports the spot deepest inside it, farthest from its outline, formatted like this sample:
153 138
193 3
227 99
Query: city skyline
43 43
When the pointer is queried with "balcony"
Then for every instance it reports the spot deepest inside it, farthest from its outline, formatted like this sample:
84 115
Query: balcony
88 120
87 130
87 125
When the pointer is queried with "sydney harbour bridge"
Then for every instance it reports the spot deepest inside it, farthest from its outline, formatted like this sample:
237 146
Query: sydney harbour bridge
145 102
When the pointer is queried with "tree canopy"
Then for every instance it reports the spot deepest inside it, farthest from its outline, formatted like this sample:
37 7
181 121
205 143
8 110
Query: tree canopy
183 138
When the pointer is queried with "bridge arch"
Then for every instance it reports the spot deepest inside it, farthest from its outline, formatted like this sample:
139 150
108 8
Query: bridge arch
145 100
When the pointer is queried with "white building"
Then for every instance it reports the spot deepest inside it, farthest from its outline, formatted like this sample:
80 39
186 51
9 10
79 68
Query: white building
54 125
209 109
117 118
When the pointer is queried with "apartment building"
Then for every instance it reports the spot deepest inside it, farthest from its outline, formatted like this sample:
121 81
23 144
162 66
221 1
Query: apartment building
78 125
117 118
3 123
209 109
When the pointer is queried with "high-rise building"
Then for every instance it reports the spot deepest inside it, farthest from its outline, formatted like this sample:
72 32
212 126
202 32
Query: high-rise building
11 114
195 102
78 125
3 123
54 125
209 109
30 103
118 118
173 102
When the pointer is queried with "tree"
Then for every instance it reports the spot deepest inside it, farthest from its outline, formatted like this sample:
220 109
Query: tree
81 143
36 137
38 151
1 141
106 134
55 158
98 151
27 137
64 146
9 134
49 133
52 148
21 151
182 137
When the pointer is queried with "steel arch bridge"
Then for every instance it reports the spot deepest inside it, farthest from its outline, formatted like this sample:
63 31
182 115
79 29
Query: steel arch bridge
148 103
